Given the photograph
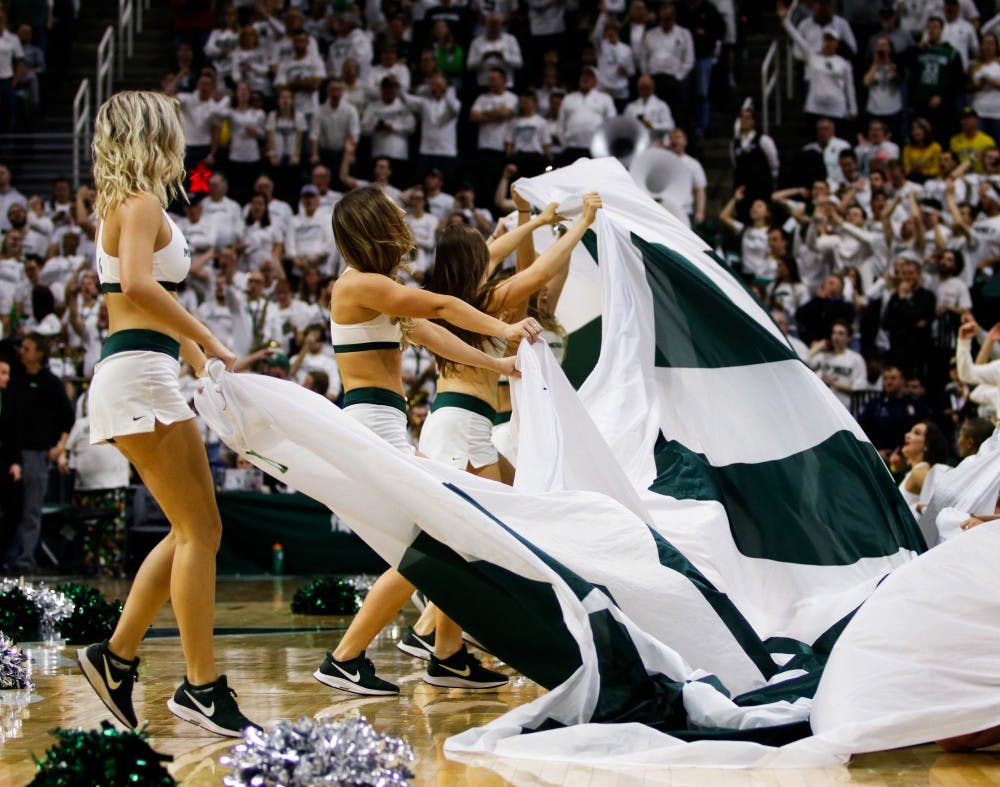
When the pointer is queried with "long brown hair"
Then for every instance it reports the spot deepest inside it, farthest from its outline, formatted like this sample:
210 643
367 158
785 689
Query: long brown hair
371 232
461 263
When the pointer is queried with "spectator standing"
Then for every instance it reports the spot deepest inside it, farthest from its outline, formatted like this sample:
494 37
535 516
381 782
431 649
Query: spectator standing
33 68
222 42
908 319
829 147
754 157
10 465
200 114
301 71
813 27
959 33
388 67
100 484
615 64
650 110
316 356
756 266
547 28
815 319
83 317
707 28
390 123
888 417
688 188
8 196
350 43
582 114
45 417
223 212
984 76
492 111
334 124
247 129
884 79
494 48
286 127
841 368
11 67
938 79
877 146
438 113
830 77
251 63
529 144
668 56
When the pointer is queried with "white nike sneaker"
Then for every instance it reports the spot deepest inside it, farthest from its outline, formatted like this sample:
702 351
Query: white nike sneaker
355 675
462 670
211 707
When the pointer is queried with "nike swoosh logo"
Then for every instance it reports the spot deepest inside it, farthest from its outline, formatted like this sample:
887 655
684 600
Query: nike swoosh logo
112 684
138 417
353 677
209 711
462 673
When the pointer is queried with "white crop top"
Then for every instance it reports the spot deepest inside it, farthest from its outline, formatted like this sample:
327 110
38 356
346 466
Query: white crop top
170 264
378 333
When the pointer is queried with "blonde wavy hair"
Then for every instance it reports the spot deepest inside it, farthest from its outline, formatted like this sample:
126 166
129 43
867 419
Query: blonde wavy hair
138 147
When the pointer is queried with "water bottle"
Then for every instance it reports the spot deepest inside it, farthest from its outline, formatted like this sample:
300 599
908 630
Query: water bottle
277 560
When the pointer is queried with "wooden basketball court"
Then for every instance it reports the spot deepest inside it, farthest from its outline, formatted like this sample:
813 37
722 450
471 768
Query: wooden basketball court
269 656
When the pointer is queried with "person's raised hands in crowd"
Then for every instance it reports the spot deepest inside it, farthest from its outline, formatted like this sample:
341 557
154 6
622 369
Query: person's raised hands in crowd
968 330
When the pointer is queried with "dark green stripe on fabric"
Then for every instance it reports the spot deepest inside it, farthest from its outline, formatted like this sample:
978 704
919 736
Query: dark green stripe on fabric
140 339
364 346
738 626
830 505
381 396
502 417
464 402
696 324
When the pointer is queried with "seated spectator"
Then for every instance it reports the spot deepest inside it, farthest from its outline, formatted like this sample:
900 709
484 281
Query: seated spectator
222 211
424 226
876 146
262 239
780 317
316 356
309 240
972 434
8 196
970 143
841 368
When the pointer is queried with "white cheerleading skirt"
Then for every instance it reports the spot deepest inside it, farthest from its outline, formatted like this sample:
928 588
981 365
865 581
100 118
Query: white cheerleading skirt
383 411
135 385
459 431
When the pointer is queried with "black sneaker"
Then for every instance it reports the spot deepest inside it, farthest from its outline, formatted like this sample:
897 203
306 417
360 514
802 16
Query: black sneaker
211 707
413 644
356 675
462 670
112 678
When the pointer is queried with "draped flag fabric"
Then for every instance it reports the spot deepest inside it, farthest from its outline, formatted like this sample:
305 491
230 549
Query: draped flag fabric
686 537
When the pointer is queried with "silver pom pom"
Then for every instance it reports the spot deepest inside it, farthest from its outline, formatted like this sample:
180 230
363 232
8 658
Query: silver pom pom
14 671
53 606
345 753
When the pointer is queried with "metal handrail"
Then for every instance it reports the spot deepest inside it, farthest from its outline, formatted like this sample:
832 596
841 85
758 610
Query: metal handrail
770 69
105 65
81 128
126 34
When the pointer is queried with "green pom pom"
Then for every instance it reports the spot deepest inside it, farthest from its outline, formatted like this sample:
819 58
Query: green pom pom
19 617
102 758
327 596
93 618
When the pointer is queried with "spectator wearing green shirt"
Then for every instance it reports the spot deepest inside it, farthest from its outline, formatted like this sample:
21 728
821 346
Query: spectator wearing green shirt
937 78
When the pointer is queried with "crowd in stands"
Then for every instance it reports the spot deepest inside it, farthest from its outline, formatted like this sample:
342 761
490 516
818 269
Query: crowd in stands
875 236
871 240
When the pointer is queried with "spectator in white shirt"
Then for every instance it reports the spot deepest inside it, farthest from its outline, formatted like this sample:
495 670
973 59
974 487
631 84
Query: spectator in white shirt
286 127
316 356
309 239
390 123
350 43
222 42
11 68
222 211
830 77
649 109
959 33
438 202
668 56
877 146
200 118
424 226
828 146
247 128
251 63
292 315
438 112
547 28
812 28
320 178
333 124
581 115
381 175
841 368
494 49
615 64
8 196
492 111
529 144
388 66
688 188
301 72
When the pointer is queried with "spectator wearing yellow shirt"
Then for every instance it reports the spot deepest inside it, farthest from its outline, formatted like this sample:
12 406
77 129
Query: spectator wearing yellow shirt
970 142
921 154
